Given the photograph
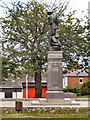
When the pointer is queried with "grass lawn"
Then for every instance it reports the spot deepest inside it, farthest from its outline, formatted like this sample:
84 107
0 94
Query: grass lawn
38 115
86 96
46 113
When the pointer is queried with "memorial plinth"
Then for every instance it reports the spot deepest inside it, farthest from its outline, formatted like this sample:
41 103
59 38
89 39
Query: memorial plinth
55 79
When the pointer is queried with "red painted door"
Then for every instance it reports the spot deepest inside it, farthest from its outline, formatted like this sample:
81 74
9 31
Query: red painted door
31 92
44 89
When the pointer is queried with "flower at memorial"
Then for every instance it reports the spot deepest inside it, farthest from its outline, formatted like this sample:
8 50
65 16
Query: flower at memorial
6 111
77 109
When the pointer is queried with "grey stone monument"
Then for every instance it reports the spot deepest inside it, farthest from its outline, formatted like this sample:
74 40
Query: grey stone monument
55 79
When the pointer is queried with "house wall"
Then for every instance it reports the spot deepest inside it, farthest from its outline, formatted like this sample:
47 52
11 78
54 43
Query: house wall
2 94
74 81
19 94
14 95
16 92
65 82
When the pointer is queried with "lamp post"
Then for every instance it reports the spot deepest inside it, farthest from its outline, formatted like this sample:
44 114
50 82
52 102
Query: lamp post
27 86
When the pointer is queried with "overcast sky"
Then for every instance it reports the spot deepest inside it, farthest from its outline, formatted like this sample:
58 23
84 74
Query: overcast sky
79 5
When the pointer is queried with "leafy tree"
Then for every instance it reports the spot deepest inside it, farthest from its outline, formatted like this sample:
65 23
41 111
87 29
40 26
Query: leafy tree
24 29
25 41
74 41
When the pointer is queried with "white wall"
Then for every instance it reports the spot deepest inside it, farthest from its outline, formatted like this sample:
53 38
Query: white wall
14 95
64 82
2 94
19 94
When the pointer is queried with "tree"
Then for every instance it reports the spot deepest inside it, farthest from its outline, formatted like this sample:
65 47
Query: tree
25 41
74 41
24 29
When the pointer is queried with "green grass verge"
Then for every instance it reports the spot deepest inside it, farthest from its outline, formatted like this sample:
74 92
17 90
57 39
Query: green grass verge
86 96
38 115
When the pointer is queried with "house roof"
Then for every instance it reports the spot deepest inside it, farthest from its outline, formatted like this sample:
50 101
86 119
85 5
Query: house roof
17 83
11 83
77 73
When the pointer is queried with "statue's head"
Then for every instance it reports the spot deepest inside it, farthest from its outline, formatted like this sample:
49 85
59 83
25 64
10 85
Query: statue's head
49 12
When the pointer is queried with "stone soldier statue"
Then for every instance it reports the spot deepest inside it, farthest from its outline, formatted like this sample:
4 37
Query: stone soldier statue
52 35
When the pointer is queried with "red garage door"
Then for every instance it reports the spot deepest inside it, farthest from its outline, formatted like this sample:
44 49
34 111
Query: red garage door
44 89
31 92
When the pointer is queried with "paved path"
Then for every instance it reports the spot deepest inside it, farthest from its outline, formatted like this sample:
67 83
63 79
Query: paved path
44 103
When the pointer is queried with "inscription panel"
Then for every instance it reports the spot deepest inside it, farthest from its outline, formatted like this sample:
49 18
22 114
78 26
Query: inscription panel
55 76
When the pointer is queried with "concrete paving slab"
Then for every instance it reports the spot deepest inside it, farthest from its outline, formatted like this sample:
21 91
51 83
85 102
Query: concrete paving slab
67 102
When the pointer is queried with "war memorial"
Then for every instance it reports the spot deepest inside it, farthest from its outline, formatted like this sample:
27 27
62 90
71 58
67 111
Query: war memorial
54 80
54 95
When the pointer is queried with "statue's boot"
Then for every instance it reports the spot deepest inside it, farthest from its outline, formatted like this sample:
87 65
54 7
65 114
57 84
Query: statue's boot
54 41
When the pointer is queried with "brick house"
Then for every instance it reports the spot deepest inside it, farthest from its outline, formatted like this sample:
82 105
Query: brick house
74 79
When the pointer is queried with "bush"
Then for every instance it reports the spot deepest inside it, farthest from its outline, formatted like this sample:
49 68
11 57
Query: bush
85 88
70 89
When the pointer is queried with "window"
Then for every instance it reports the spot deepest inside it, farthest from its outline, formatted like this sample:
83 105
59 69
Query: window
81 80
8 94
